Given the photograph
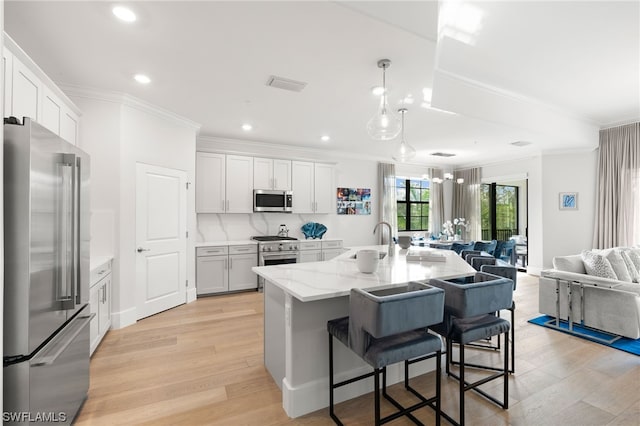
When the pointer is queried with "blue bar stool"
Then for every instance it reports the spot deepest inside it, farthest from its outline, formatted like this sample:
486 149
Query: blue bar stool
385 327
470 316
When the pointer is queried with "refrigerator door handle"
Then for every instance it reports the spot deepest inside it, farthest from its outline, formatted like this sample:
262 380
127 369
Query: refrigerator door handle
50 353
66 236
77 225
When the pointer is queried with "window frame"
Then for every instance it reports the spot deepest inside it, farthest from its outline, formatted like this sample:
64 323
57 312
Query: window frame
407 203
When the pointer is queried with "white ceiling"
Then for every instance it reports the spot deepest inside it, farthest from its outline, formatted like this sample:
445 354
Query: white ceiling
551 73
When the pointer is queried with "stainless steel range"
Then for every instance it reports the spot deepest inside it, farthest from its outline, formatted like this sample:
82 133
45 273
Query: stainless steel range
274 250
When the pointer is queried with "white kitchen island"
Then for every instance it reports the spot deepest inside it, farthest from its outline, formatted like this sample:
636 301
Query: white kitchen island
300 298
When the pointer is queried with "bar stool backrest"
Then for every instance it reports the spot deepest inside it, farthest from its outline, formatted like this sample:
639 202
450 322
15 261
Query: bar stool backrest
381 313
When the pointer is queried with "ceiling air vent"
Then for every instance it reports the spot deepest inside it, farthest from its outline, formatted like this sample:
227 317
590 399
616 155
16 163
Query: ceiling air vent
443 154
285 83
520 143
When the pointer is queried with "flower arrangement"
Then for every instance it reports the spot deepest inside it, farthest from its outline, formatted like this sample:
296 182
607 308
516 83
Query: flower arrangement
450 228
460 223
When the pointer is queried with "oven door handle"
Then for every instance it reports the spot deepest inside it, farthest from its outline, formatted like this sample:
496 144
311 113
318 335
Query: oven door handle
280 256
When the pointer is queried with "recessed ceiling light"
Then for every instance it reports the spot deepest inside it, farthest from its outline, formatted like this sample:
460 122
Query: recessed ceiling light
377 90
142 79
124 14
325 138
247 127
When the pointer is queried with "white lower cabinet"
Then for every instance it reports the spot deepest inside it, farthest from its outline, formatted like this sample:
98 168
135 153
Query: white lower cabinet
220 269
331 249
100 303
317 251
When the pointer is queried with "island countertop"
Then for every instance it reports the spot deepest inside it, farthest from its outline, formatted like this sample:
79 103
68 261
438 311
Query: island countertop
336 277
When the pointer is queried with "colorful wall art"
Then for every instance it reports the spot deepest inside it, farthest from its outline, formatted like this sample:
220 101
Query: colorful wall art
354 200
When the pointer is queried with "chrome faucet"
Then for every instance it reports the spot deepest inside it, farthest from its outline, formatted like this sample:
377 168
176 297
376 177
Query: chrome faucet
392 249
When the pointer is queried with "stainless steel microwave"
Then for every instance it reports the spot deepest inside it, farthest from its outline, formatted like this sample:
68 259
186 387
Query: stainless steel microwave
269 200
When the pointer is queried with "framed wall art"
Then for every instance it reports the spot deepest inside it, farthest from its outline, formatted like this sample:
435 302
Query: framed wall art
354 201
568 201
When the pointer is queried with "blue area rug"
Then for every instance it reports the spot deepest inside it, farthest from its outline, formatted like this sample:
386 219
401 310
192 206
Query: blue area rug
623 343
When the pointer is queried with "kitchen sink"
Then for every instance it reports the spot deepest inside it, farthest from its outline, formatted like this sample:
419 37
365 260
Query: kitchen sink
381 255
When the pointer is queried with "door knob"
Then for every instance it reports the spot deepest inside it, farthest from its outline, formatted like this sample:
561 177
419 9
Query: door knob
140 249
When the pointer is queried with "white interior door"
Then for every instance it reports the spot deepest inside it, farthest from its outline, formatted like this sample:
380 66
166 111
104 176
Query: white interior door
161 239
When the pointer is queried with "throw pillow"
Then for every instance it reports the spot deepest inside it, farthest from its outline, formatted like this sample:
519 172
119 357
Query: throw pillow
572 263
597 265
631 268
619 266
634 254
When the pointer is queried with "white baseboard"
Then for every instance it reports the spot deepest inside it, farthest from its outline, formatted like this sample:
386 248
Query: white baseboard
123 318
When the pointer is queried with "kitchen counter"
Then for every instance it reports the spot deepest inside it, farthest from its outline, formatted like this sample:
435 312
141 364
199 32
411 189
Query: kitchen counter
96 261
300 298
225 243
323 280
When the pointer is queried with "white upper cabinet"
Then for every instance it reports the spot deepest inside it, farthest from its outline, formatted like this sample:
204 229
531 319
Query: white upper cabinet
324 188
302 185
271 173
51 111
239 186
28 92
7 83
210 182
313 187
224 183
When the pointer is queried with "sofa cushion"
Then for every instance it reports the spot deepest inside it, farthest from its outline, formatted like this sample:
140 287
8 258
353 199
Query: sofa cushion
597 265
569 264
631 267
619 266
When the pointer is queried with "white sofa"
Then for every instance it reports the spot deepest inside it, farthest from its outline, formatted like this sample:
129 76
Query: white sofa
609 304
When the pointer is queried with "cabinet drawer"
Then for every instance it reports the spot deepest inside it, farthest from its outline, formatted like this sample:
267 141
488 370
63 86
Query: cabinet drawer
100 272
249 248
331 244
211 251
310 245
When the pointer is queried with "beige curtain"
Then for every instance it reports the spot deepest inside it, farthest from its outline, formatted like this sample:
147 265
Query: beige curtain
617 221
436 202
466 201
387 203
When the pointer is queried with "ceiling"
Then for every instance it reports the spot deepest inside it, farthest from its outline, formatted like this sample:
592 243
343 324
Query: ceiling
549 73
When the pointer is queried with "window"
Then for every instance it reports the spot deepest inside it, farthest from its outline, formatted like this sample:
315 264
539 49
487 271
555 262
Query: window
412 196
499 211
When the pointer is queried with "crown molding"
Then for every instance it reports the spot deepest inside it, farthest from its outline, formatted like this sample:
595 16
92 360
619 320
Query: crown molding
130 101
620 123
212 143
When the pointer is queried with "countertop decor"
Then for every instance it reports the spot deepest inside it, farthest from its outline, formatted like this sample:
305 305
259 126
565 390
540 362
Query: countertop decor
313 230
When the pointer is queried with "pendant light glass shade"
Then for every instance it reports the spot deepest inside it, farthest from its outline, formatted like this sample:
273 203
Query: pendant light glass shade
404 151
384 125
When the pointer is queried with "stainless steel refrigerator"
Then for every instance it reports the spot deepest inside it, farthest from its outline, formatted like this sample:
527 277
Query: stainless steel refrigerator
46 281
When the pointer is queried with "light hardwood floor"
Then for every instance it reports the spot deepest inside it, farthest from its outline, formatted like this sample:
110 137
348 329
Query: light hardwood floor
201 363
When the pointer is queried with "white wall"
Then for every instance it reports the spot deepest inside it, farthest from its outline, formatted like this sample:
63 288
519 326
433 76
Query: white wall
151 139
355 230
552 231
118 132
568 231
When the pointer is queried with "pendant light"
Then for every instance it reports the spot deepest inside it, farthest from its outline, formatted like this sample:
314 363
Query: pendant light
404 151
384 125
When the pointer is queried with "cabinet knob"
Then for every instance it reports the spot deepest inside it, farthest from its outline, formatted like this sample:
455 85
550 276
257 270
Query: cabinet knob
140 249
